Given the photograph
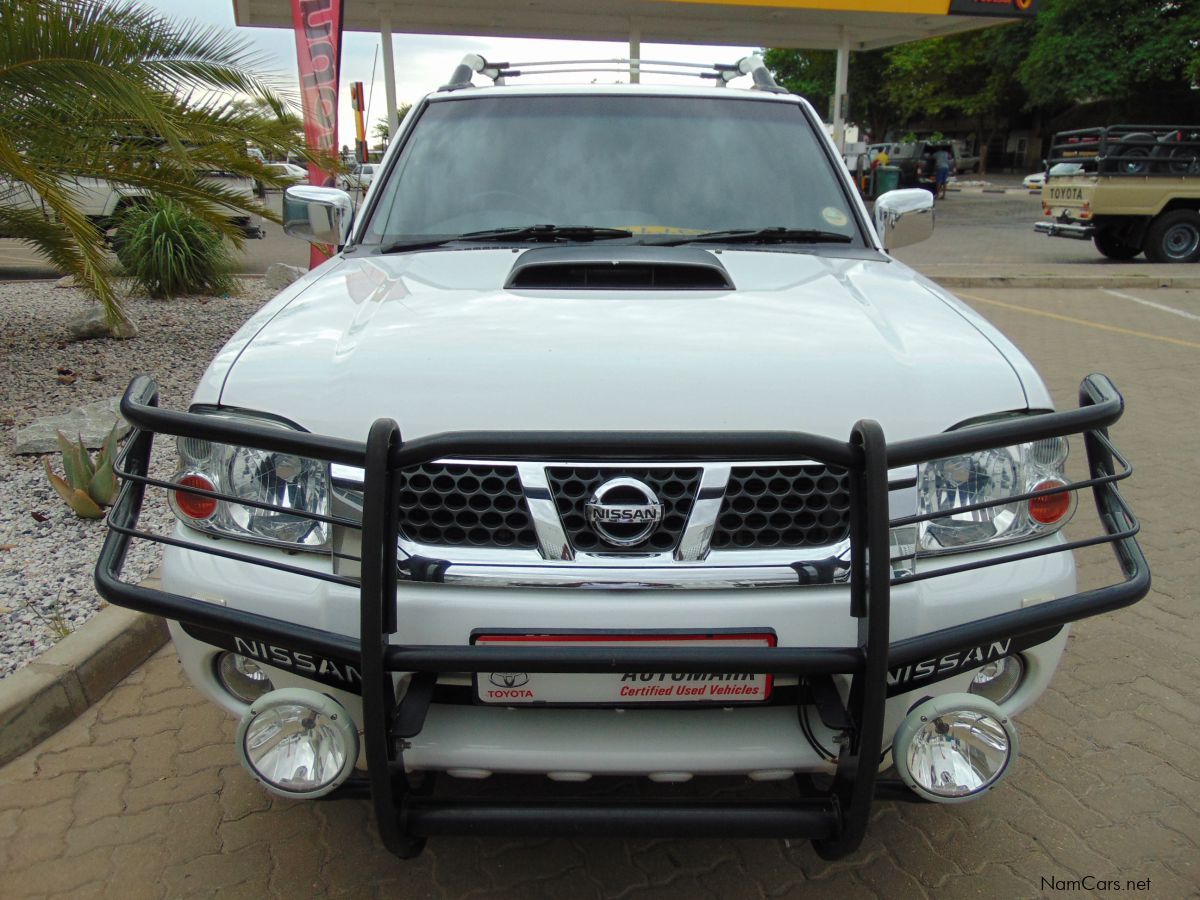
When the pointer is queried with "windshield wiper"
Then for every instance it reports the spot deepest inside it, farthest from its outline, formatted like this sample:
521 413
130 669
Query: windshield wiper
774 235
536 233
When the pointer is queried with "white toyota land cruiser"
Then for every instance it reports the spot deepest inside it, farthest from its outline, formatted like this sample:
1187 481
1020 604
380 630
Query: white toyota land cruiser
572 461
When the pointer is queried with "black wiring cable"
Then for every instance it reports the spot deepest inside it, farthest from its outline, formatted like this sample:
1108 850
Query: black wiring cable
810 736
806 728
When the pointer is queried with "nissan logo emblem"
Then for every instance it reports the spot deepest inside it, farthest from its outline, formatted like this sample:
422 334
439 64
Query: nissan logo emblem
623 512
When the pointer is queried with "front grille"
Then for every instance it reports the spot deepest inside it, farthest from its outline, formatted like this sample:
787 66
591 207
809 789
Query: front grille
783 506
572 487
454 505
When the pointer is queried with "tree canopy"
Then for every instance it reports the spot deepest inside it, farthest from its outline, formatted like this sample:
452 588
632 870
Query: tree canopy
811 73
1074 51
1110 49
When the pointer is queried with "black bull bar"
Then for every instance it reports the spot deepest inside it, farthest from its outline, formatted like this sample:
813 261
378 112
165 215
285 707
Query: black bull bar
835 818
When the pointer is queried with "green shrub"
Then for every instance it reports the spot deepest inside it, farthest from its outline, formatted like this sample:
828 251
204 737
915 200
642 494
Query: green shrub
169 250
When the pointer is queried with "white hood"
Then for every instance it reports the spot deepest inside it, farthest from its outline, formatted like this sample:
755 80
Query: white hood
433 340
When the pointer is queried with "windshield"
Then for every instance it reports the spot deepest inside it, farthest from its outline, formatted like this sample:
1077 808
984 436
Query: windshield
649 165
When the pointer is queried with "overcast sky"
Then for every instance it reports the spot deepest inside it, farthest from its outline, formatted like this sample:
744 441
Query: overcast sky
423 62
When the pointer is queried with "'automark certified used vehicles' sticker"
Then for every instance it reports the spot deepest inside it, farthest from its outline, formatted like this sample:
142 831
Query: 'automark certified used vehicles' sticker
623 688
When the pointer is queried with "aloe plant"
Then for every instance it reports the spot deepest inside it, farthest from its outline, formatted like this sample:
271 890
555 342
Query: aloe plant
90 484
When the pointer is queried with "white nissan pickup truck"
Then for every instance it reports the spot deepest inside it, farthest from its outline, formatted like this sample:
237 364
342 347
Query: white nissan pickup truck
611 442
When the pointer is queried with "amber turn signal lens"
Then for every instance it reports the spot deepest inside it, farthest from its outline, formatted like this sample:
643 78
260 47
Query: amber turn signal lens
193 505
1049 509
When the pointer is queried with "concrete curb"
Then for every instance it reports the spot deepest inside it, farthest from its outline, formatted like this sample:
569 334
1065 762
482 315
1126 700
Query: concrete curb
953 189
1063 282
50 692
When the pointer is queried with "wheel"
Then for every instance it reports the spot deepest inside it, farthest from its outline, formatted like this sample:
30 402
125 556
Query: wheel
1135 157
1136 160
1174 237
1182 161
1109 242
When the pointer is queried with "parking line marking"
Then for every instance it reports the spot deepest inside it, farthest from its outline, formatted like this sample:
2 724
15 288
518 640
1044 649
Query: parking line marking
1153 305
1115 329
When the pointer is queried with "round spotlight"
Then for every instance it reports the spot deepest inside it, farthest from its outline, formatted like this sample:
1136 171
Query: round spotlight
298 743
242 677
999 679
954 748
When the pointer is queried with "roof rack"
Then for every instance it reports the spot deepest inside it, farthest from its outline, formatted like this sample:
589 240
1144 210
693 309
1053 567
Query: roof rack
722 73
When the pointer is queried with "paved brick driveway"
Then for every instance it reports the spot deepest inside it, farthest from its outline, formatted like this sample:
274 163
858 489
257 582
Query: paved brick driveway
141 797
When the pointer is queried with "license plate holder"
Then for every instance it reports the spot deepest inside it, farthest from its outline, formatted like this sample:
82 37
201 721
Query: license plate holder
623 689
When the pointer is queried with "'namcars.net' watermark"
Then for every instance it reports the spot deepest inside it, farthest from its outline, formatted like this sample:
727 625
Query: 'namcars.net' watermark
1092 883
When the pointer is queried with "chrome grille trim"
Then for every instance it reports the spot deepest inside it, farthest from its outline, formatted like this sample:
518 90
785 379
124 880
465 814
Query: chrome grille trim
637 578
702 568
552 537
697 535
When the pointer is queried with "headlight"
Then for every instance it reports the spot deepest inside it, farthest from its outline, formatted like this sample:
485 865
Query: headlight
945 485
288 483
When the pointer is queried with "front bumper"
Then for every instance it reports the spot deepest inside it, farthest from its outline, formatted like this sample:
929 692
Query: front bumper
762 743
860 650
459 735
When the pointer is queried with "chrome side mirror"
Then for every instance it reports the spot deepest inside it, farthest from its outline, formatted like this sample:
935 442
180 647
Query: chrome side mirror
904 217
320 215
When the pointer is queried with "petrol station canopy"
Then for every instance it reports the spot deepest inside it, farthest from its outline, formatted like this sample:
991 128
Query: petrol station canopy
842 25
810 24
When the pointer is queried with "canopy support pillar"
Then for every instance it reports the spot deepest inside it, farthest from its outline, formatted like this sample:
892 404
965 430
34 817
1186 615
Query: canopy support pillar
840 84
389 74
635 52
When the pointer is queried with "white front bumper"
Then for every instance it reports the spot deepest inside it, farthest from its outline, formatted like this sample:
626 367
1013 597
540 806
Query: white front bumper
670 744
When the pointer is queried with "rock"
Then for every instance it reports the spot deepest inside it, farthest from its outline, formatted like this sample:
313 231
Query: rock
93 323
67 281
92 420
280 275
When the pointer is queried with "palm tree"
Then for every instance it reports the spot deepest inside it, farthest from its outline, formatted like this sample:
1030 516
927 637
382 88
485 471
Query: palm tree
91 89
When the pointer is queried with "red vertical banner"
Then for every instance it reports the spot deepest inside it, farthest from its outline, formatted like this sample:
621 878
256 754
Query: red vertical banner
318 27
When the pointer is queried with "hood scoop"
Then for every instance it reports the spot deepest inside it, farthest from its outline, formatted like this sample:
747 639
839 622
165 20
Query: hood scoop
603 267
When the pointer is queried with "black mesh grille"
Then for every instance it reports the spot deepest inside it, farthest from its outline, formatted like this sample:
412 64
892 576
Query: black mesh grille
676 489
783 506
447 504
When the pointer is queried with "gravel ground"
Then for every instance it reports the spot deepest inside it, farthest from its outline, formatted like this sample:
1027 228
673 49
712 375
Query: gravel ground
46 553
